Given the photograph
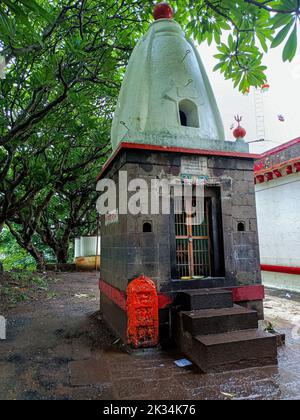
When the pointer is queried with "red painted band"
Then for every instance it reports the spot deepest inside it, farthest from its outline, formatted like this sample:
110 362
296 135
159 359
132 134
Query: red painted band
281 269
195 151
113 294
182 150
119 298
164 301
109 161
248 293
280 148
260 171
240 294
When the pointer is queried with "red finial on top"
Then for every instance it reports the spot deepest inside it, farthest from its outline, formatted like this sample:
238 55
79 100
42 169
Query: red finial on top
163 11
239 132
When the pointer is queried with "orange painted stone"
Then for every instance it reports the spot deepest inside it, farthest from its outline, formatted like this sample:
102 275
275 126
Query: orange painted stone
142 311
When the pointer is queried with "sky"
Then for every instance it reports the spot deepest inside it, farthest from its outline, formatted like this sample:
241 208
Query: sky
282 99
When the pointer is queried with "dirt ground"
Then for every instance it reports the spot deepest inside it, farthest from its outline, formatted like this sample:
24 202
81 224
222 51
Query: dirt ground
58 348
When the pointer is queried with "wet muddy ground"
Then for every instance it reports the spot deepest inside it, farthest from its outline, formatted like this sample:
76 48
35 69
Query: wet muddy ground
60 349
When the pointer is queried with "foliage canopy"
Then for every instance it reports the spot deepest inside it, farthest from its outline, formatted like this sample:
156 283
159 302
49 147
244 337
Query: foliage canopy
65 60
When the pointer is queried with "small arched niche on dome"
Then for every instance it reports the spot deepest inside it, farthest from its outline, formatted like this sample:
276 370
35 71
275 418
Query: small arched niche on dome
188 112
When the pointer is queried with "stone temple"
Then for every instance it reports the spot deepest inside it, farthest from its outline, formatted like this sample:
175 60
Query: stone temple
164 279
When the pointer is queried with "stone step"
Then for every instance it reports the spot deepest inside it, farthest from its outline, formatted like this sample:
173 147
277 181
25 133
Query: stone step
189 300
205 283
216 321
233 351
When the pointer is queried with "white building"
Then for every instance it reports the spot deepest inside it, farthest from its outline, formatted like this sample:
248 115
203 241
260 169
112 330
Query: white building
87 253
87 246
277 176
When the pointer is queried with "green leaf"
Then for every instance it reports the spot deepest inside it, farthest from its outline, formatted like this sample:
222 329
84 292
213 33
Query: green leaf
17 10
217 37
280 37
225 25
285 5
244 85
218 66
262 41
290 48
291 4
209 38
35 7
280 20
220 56
5 26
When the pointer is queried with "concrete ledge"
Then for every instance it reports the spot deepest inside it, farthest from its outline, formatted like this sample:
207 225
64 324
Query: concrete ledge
281 269
61 267
281 281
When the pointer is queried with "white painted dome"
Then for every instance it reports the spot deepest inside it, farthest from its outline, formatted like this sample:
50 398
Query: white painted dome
166 97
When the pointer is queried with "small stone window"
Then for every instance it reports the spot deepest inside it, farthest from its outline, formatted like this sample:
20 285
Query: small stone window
147 227
188 112
241 227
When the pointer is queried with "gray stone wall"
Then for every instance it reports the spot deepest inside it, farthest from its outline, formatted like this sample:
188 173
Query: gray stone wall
241 249
127 252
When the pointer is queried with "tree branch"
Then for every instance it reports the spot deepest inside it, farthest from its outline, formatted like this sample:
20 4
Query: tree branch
264 6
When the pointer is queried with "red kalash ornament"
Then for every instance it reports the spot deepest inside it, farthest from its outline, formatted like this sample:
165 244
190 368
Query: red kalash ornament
265 87
239 132
163 11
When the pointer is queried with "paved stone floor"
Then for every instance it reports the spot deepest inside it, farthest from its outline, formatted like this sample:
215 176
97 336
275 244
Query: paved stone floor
60 349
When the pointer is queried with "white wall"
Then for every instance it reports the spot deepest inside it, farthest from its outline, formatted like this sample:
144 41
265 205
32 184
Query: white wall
281 281
77 247
89 246
278 212
86 246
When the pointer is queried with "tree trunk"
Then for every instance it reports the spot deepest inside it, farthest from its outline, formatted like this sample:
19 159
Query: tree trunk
62 253
38 256
1 265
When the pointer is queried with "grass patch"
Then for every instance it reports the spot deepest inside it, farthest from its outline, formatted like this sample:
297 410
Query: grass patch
16 288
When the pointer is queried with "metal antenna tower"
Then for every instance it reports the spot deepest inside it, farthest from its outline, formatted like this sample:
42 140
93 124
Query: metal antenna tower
259 114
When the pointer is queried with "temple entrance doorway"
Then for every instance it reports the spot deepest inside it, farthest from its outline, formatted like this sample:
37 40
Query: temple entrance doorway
199 245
